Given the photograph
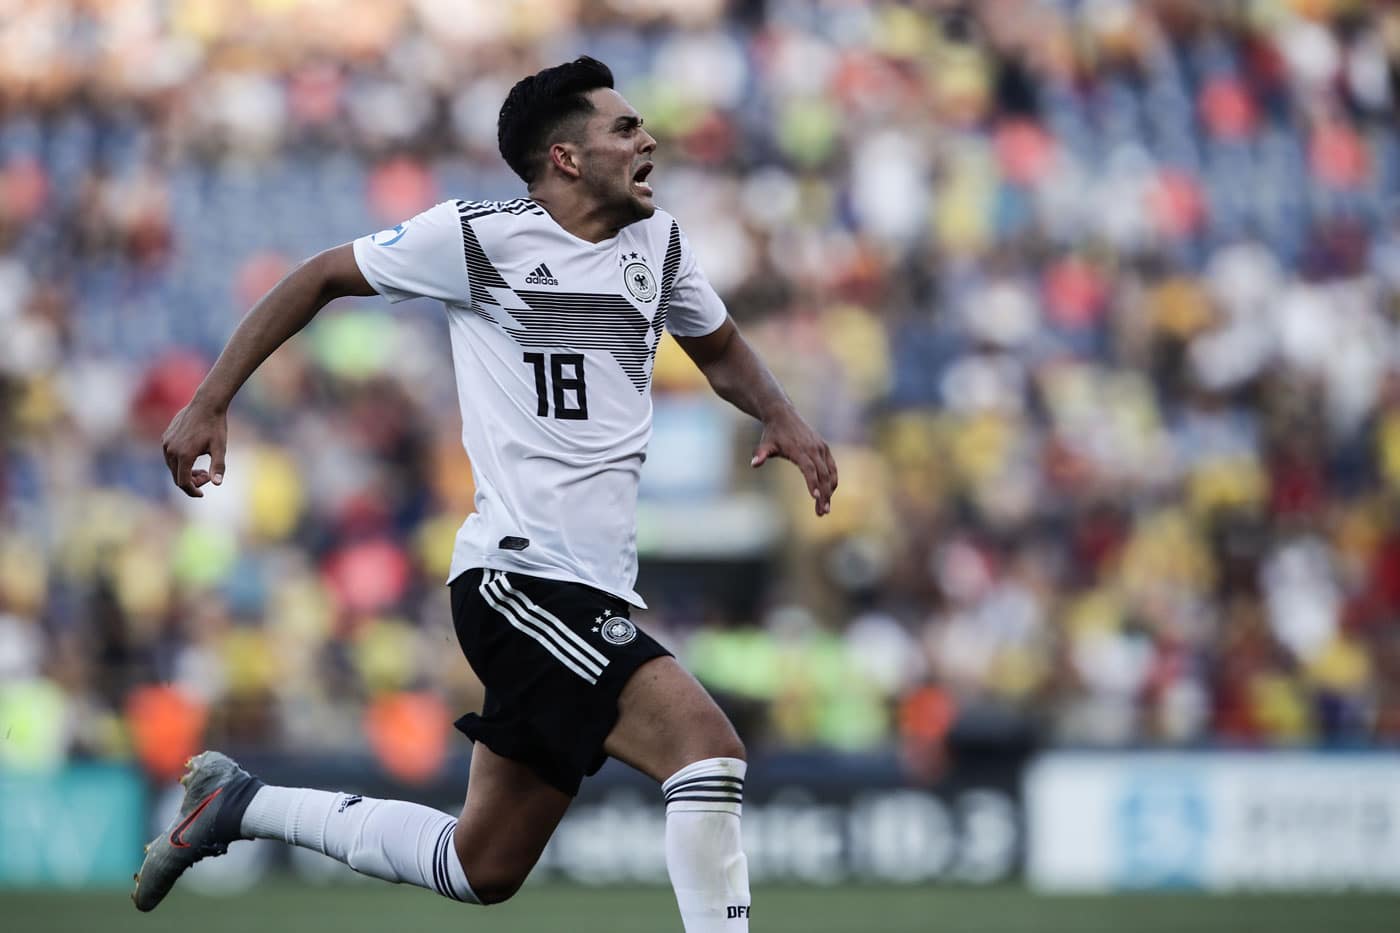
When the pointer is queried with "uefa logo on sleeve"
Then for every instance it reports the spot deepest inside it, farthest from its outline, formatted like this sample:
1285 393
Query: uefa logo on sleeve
388 237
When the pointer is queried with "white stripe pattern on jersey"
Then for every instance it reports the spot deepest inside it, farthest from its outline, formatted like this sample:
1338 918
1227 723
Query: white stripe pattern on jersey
544 627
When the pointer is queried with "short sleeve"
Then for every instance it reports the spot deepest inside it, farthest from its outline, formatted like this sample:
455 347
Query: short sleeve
696 308
421 257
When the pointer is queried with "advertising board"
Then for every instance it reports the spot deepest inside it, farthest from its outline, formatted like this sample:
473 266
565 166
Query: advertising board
1217 821
818 819
78 827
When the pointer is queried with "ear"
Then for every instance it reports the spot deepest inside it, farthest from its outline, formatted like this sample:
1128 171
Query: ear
563 157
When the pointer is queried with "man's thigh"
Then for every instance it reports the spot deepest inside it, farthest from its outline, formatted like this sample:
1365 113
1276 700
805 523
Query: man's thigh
667 720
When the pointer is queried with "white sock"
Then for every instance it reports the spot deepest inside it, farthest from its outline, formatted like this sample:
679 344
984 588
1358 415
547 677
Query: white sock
704 852
389 839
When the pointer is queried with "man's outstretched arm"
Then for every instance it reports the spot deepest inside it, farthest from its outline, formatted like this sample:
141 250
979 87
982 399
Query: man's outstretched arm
739 376
200 427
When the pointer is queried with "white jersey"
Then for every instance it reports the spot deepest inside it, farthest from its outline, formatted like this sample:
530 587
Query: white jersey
553 340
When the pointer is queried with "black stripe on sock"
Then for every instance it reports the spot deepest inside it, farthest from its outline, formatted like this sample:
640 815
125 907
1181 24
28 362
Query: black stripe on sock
449 851
707 785
705 799
440 875
437 869
707 779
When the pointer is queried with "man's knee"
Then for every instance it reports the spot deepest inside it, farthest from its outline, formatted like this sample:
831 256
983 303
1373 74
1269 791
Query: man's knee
667 721
496 892
706 733
492 885
494 874
729 745
715 737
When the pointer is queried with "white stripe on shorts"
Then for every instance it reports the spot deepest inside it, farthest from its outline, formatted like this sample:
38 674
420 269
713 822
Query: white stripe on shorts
588 652
562 651
504 589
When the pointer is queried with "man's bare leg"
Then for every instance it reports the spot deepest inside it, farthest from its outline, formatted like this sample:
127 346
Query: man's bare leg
507 819
666 720
483 857
670 728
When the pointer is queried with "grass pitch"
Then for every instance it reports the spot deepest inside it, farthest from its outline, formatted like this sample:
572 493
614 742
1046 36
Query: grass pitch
551 908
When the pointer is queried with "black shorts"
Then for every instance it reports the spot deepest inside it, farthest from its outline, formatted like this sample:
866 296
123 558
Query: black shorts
554 657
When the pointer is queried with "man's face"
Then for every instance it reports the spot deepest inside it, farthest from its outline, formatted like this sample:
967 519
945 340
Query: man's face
615 156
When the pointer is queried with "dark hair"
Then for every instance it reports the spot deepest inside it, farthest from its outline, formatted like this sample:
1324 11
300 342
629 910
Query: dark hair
539 105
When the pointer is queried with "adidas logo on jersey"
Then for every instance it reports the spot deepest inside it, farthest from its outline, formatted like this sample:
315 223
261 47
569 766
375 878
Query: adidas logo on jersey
541 276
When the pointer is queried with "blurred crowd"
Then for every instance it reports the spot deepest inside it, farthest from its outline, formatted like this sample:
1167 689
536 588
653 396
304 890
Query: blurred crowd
1097 300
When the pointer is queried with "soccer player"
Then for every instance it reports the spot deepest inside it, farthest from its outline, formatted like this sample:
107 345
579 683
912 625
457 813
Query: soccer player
555 305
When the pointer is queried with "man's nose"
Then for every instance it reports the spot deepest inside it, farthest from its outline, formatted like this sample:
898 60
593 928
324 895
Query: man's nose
648 143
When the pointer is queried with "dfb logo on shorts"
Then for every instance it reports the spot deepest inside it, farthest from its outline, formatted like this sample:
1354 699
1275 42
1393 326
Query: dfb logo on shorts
618 631
735 912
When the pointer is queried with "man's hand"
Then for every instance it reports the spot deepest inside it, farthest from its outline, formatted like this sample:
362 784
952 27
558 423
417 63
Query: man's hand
743 380
201 426
789 437
195 430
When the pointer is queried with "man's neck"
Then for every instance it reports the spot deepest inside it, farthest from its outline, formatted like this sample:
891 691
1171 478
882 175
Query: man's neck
576 216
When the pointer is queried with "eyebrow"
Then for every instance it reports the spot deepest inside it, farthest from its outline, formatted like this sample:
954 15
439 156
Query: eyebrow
627 123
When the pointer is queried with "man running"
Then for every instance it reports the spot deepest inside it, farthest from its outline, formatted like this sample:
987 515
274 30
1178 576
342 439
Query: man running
555 306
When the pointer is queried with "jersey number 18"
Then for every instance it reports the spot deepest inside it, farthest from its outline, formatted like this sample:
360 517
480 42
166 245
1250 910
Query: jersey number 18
554 375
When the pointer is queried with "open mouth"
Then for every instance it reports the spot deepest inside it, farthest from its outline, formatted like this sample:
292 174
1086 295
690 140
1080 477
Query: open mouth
639 178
